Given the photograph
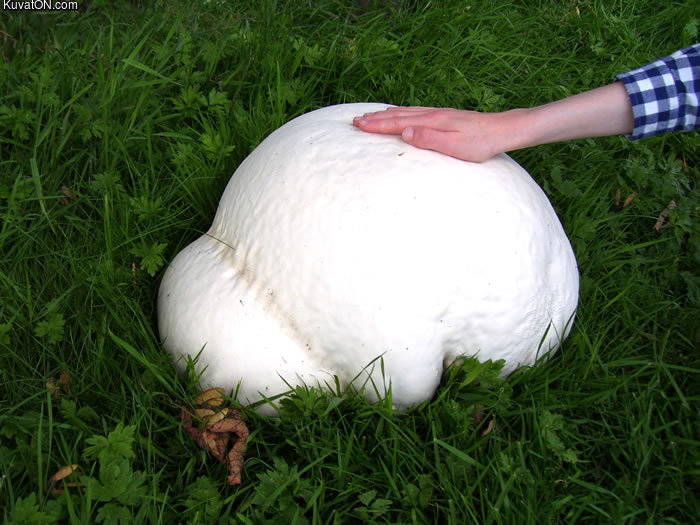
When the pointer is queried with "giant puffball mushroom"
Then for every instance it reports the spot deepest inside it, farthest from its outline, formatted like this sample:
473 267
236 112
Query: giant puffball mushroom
336 252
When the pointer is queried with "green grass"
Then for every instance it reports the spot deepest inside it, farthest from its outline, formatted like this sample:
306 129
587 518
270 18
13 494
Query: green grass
119 128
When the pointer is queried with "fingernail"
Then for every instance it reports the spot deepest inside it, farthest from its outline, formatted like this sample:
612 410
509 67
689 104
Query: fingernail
363 122
407 134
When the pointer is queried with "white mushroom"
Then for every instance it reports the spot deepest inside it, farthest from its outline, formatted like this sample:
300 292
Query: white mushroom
335 252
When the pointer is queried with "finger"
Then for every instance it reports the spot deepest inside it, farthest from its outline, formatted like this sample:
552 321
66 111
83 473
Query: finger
395 123
397 111
427 138
387 124
406 109
447 142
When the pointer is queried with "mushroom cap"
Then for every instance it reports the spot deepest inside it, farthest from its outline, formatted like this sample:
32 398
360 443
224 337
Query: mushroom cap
339 253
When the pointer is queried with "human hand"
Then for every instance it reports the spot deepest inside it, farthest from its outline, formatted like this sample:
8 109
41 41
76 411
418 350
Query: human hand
466 135
474 136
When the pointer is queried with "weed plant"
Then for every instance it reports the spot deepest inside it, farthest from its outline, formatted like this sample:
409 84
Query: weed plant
120 125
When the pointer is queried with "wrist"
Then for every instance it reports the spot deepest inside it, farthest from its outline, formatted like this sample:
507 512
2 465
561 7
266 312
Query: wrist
518 129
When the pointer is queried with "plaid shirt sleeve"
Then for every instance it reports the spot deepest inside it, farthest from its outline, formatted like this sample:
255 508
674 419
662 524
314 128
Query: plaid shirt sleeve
665 93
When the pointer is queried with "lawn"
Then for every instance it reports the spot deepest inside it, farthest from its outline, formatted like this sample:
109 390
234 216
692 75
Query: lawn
120 125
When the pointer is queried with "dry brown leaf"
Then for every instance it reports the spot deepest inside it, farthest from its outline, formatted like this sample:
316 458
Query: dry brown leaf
60 475
489 427
71 484
203 413
64 472
662 221
224 434
58 387
69 197
216 417
52 385
629 199
213 397
477 415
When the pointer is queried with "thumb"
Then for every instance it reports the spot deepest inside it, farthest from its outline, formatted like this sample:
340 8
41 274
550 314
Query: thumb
427 138
446 142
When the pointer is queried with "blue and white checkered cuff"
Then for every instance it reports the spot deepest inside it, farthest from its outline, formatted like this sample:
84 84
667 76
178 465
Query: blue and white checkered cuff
665 93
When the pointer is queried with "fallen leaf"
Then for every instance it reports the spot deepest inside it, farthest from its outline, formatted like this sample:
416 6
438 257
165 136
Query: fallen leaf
60 475
629 199
52 385
64 472
213 397
58 387
477 415
662 221
224 433
216 417
618 196
489 427
69 197
203 413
